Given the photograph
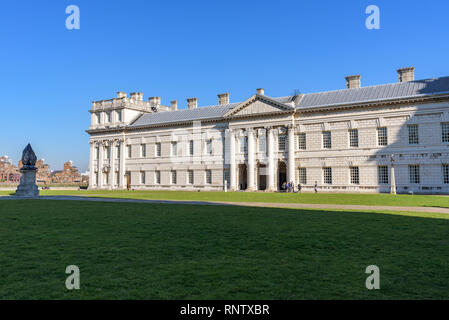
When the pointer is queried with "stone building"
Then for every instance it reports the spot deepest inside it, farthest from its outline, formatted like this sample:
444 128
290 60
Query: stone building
359 139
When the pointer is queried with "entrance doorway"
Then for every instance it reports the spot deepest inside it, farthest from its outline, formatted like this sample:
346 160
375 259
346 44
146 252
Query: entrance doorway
243 175
282 174
262 182
128 180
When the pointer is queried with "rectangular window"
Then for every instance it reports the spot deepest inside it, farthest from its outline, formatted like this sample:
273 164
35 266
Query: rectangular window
157 177
209 147
142 177
243 144
190 177
302 141
105 178
97 153
413 171
282 141
303 175
446 173
117 178
382 136
413 134
158 149
128 151
174 149
327 140
107 153
173 177
262 143
108 116
354 138
96 178
191 147
98 118
117 151
143 150
354 173
208 176
327 175
382 174
119 116
445 131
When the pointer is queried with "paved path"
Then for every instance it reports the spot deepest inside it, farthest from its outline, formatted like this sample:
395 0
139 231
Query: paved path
247 204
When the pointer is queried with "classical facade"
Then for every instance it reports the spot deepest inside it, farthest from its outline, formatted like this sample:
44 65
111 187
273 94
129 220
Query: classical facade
384 138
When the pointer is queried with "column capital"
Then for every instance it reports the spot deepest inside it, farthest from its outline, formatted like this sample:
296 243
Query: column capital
290 127
269 128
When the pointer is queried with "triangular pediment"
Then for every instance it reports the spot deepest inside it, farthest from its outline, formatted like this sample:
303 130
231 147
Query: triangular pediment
258 105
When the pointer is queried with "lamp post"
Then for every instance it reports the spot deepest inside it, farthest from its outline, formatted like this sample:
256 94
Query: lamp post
393 180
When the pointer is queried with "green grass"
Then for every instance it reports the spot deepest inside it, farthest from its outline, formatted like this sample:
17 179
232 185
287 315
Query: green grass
155 251
308 198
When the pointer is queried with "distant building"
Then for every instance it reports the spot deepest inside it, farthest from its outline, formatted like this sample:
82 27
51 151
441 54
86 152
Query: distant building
9 173
69 175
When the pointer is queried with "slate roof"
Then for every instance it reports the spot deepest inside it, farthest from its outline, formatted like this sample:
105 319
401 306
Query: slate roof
375 93
201 113
311 100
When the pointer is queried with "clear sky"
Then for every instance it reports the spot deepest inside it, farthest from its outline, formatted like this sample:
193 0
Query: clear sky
181 49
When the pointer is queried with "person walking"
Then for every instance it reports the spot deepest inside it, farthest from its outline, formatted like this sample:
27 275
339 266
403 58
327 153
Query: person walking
299 188
316 187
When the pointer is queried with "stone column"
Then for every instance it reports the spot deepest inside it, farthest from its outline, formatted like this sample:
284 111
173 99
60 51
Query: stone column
91 164
251 160
291 154
121 173
112 164
100 163
232 169
270 156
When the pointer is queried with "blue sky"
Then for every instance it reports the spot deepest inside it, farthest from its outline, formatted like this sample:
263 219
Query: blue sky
181 49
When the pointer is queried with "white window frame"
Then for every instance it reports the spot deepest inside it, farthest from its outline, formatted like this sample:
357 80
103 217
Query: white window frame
383 174
302 175
413 134
382 136
327 175
354 175
414 174
208 177
353 138
327 139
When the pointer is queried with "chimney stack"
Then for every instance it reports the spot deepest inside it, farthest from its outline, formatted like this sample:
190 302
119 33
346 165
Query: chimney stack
192 103
137 96
223 98
155 100
174 105
406 74
353 82
261 91
121 94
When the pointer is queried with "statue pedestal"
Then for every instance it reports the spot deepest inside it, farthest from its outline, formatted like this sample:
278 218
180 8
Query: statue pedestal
27 187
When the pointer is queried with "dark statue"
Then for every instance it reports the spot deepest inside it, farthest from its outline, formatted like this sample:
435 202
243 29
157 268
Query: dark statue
28 158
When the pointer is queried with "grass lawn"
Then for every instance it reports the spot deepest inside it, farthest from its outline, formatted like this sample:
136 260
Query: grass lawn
156 251
309 198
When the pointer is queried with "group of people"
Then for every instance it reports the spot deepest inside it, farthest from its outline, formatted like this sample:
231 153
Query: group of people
290 187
